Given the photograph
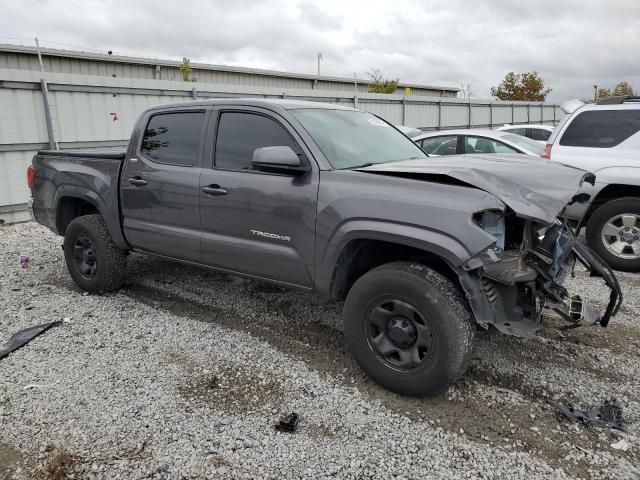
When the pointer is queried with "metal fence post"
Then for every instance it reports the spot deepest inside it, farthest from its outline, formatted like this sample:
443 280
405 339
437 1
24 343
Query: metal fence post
53 145
194 94
528 113
404 110
469 123
355 101
513 114
439 115
490 115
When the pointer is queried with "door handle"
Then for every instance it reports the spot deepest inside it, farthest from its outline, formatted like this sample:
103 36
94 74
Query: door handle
214 190
137 181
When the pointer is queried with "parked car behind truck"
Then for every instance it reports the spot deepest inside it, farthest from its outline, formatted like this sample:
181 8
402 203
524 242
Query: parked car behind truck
604 138
331 199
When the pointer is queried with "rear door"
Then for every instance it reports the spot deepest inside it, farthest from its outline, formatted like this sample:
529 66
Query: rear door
253 222
160 184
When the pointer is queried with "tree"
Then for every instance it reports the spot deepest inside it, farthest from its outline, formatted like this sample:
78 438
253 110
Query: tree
527 87
378 84
466 91
621 89
185 68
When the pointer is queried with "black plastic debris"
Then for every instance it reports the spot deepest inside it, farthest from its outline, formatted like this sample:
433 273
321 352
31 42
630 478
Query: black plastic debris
213 382
25 336
607 415
288 424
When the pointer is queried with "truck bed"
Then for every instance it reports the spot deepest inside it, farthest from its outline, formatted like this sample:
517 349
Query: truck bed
68 181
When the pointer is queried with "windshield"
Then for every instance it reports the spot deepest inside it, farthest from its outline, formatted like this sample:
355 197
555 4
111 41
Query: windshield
531 145
351 139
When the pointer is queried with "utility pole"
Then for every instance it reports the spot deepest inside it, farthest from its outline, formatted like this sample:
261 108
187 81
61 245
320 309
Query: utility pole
595 93
319 57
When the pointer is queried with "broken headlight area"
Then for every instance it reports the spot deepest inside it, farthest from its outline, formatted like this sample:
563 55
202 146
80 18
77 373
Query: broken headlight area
510 288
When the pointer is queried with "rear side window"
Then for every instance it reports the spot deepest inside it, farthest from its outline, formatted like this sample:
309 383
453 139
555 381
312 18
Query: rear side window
239 134
539 134
445 145
173 138
601 128
517 131
486 145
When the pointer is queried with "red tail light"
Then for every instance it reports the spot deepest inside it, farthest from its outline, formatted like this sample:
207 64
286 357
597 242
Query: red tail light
547 151
31 175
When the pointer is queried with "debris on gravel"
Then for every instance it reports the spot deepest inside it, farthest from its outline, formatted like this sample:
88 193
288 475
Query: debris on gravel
183 372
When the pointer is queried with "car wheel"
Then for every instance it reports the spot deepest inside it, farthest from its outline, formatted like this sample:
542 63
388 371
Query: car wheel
94 262
409 328
613 231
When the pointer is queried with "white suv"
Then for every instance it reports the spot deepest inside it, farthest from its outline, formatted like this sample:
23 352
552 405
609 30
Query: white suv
604 138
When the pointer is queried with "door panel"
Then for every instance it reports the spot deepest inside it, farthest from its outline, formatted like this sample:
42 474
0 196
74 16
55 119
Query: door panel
160 187
264 224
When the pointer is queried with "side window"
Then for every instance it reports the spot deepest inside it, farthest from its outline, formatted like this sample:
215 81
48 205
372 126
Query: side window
517 131
239 134
173 138
485 145
601 128
445 145
539 134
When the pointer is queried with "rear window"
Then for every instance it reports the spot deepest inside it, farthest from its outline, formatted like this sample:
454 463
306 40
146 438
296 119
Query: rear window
601 128
173 138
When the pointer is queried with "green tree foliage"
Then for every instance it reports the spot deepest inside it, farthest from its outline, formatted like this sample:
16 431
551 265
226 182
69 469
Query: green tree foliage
527 87
379 84
185 68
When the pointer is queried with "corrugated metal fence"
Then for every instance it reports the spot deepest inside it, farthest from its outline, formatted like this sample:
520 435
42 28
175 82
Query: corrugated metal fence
87 111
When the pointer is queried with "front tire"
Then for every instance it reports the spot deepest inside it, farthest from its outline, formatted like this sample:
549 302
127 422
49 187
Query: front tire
613 231
409 328
94 262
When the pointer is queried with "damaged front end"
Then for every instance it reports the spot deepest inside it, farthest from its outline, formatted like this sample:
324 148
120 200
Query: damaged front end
510 284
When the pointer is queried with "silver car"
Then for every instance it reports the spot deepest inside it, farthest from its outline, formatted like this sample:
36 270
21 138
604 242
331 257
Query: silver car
465 141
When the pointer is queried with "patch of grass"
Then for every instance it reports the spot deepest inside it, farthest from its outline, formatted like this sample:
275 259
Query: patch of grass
59 465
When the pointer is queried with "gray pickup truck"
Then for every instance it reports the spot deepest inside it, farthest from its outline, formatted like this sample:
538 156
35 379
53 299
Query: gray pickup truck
336 200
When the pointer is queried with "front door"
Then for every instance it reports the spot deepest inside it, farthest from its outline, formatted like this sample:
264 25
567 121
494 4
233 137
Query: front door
160 185
253 222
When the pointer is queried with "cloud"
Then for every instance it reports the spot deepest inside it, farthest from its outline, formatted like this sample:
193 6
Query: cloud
572 44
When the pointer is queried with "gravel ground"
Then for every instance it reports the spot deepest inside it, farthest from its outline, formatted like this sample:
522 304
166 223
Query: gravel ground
182 373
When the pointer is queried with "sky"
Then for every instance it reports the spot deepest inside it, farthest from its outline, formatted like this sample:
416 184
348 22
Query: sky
572 44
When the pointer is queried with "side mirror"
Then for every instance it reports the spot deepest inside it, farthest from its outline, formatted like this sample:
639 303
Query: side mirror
280 159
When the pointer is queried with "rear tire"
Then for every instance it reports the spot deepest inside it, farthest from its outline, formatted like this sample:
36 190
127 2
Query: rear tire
609 230
94 262
420 357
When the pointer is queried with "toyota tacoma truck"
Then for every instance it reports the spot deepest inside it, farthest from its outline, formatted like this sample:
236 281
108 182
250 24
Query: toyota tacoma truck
335 200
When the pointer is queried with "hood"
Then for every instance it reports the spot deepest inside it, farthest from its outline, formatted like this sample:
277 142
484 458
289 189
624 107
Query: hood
534 189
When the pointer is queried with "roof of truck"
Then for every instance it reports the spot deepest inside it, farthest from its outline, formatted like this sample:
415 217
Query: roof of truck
285 104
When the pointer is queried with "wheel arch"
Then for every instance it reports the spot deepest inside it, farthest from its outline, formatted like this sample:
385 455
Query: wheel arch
612 191
71 202
361 254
